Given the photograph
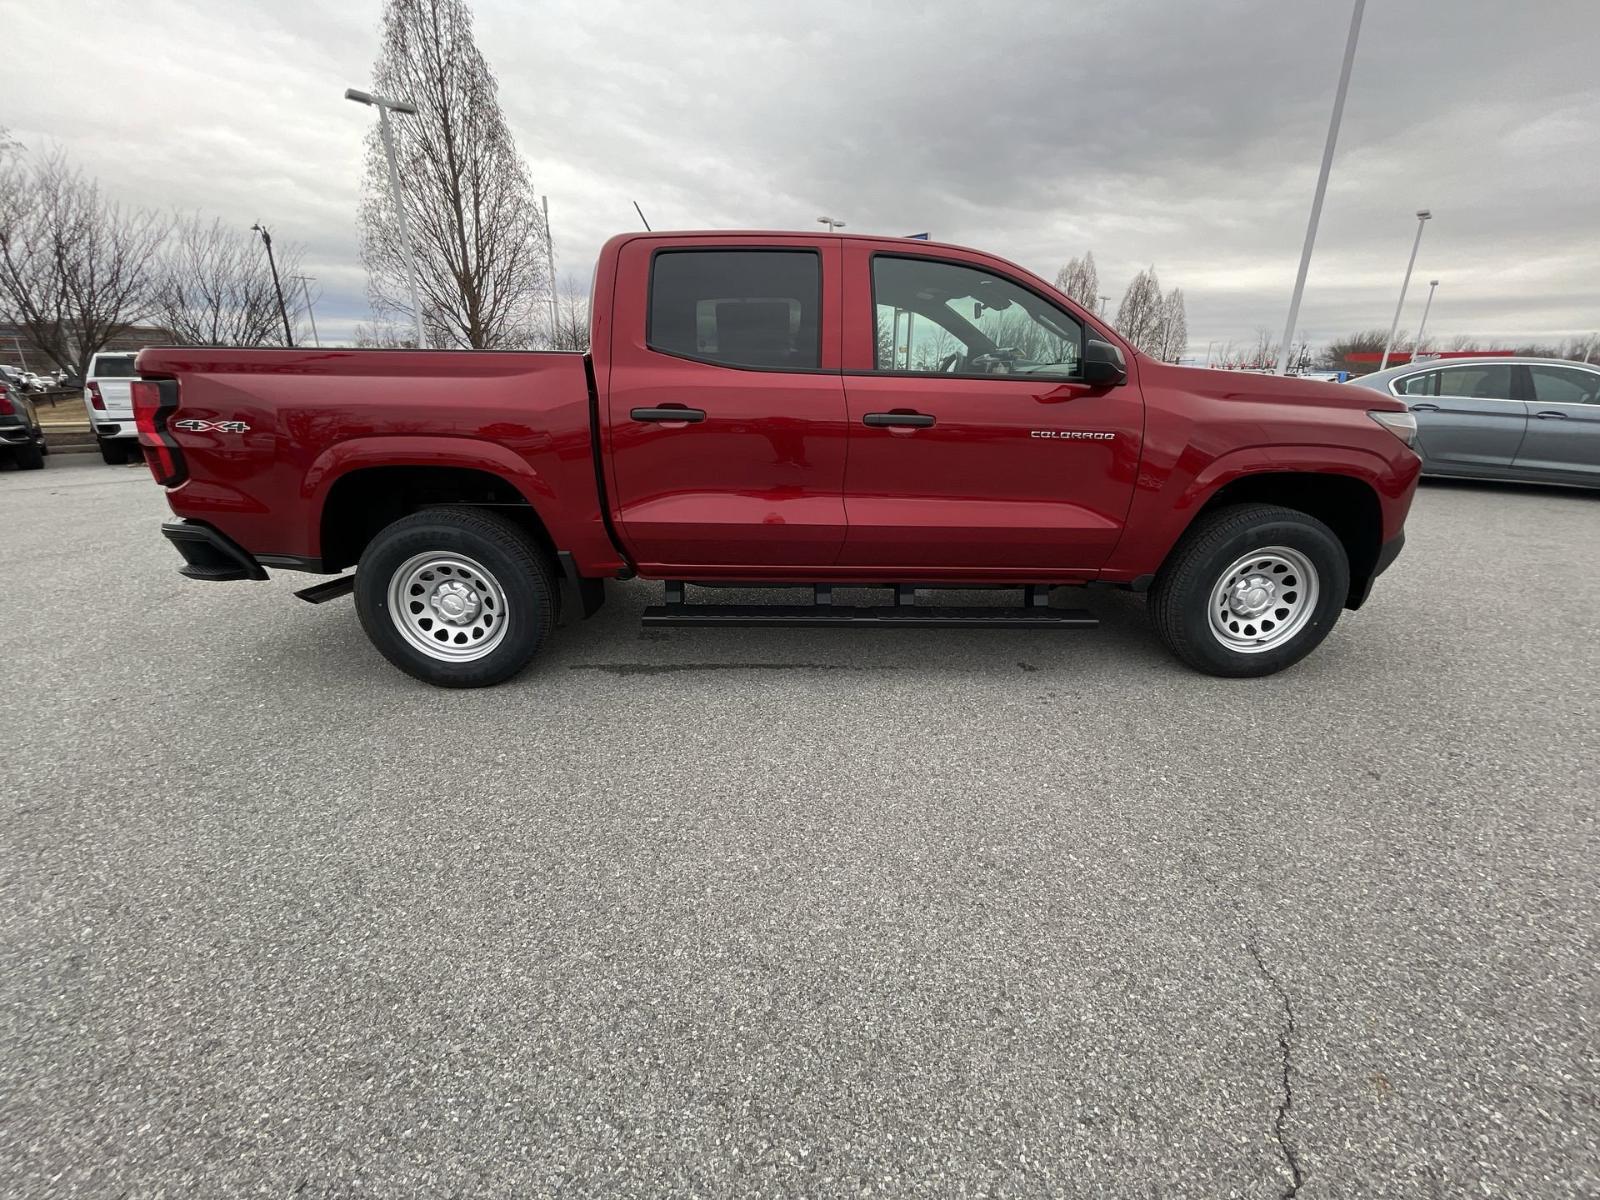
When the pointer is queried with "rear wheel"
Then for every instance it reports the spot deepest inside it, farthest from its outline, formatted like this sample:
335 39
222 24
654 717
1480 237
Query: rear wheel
29 457
1250 590
113 451
456 597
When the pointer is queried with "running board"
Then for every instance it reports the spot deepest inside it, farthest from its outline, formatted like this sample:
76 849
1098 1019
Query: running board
321 593
1033 613
906 616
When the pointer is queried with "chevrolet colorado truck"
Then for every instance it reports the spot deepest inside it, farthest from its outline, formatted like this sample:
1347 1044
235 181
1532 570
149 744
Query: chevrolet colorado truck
784 410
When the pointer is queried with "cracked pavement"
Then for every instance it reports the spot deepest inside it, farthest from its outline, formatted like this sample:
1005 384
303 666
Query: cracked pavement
791 913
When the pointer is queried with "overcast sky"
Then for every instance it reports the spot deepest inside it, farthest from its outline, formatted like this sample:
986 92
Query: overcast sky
1173 132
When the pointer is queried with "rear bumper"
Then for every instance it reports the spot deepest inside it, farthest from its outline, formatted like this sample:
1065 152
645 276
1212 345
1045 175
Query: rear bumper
208 554
17 435
106 430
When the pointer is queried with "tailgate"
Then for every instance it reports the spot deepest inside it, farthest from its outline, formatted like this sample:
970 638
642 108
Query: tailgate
118 398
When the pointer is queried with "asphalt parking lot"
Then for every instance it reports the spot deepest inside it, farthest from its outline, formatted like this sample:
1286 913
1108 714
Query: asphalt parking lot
787 913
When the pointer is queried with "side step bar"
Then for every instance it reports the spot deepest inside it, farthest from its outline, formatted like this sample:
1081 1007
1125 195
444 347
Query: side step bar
904 613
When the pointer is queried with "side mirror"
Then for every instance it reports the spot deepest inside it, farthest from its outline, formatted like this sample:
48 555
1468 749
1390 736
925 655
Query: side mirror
1103 364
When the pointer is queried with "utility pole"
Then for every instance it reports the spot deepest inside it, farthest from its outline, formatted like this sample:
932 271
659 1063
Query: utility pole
395 193
305 291
1423 217
283 311
1322 185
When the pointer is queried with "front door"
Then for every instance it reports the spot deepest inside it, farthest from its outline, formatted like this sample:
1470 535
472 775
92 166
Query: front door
1563 439
724 407
974 443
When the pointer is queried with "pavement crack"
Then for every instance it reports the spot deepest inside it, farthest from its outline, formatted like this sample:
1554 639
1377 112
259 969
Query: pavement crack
1291 1158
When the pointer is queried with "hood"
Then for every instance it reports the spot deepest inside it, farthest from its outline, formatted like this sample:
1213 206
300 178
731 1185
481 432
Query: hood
1236 385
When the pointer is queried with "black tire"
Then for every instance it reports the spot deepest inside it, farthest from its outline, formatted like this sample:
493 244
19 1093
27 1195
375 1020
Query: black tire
29 457
506 558
113 453
1181 600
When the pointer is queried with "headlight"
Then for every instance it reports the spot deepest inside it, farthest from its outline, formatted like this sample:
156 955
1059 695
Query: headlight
1402 424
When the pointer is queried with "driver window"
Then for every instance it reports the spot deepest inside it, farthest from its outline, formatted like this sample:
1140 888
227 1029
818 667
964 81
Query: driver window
935 317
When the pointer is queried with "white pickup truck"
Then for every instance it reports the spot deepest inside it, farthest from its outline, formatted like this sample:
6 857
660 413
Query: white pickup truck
108 398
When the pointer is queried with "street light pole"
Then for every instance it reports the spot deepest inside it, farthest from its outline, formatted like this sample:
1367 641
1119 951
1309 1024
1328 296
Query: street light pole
305 290
1423 216
1417 347
830 223
395 193
550 254
283 311
1105 301
1322 185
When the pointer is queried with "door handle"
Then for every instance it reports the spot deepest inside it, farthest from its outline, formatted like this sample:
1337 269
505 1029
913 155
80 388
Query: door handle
1424 408
1547 415
898 420
690 416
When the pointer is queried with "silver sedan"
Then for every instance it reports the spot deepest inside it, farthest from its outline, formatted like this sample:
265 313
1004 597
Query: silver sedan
1536 420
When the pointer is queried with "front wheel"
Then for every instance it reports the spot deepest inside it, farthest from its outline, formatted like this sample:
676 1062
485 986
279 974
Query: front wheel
1250 590
456 597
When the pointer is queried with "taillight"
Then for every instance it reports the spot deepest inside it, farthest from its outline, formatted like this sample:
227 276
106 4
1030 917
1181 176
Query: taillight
95 398
5 403
154 402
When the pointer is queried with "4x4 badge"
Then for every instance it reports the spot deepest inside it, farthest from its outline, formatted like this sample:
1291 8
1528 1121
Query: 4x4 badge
192 425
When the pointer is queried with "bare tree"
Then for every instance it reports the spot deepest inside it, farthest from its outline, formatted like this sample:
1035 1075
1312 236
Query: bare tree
214 289
1142 311
1080 281
1174 331
476 227
75 268
571 316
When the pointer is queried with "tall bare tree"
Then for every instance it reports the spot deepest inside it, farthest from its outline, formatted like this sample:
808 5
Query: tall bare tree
75 268
1142 312
1080 281
213 287
475 224
1174 332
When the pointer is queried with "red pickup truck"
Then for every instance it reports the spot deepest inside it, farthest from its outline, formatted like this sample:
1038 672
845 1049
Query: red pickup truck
779 409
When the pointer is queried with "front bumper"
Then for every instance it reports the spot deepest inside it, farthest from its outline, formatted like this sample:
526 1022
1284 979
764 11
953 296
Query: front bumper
208 554
1387 553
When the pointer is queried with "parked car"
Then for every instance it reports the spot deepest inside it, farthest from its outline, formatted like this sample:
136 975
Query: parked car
774 409
21 438
110 406
1536 420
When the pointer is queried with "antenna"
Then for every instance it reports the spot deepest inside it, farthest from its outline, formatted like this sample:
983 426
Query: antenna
640 211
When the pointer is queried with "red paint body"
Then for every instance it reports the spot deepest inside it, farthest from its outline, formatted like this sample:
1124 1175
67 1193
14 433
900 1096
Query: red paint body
781 482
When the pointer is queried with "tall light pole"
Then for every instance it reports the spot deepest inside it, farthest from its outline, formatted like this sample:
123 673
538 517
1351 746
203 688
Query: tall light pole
1104 302
1423 217
283 311
1209 344
400 106
305 290
550 257
1322 185
830 223
1417 346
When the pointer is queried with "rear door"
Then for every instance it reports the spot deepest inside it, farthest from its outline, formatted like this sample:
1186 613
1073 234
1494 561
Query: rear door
1468 419
1563 439
724 409
975 445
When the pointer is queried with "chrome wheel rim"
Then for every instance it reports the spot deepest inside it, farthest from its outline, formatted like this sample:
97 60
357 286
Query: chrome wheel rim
1263 599
448 607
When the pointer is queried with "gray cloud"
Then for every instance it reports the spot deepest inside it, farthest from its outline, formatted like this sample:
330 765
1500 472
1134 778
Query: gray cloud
1181 134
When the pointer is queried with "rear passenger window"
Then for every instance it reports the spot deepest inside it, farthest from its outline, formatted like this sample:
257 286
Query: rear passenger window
1425 384
740 308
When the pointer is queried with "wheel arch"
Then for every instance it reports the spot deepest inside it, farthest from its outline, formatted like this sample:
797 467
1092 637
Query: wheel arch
1346 504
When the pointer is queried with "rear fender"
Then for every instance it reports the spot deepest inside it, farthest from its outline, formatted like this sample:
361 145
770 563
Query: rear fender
359 453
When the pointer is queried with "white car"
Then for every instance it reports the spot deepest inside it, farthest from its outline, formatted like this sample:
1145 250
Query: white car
108 397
